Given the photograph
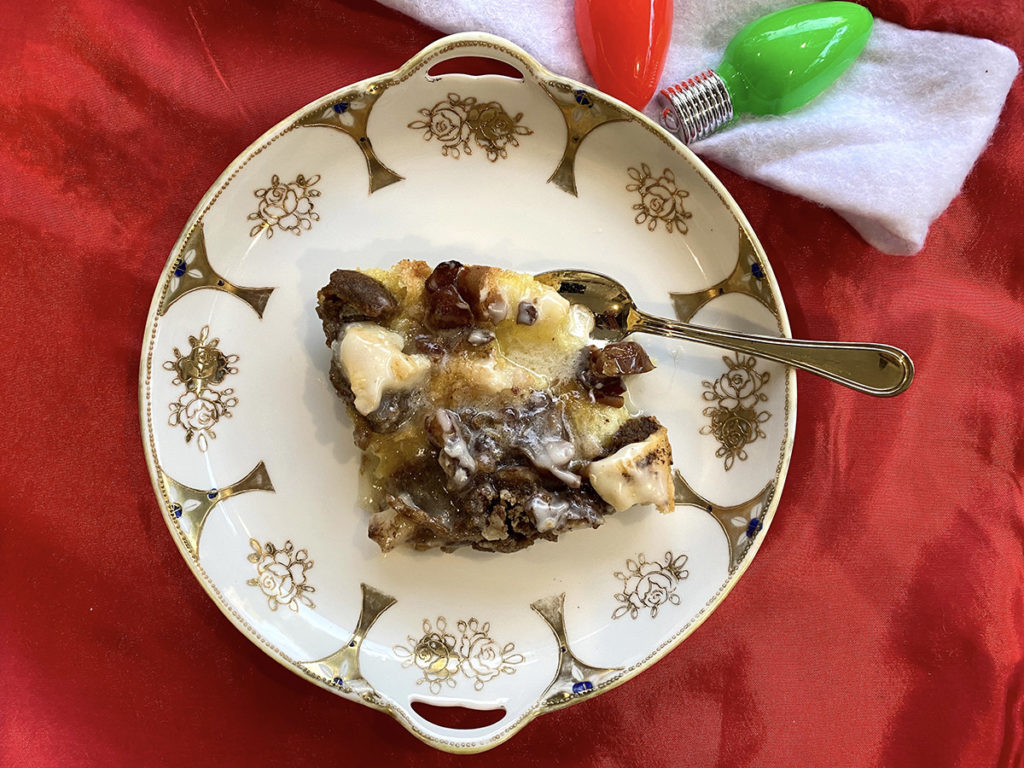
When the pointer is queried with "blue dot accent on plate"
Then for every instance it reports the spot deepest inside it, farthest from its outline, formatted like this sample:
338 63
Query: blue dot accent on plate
582 687
338 681
179 268
757 270
753 527
176 510
212 493
341 107
582 98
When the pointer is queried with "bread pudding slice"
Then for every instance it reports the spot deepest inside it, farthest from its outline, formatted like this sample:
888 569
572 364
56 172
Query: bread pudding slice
485 416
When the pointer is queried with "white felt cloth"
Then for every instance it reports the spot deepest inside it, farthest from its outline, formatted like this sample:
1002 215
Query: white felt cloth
887 147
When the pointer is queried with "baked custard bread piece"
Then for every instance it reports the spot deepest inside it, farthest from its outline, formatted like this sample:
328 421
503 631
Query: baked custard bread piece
485 416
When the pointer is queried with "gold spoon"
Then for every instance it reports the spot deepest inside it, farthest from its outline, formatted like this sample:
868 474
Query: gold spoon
876 369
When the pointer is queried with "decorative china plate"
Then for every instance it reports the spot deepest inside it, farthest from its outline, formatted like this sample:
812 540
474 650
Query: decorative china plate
251 451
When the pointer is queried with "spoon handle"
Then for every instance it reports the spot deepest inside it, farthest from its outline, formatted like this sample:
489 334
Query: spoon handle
875 369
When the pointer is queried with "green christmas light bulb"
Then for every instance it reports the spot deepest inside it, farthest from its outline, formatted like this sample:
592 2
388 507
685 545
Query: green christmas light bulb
773 65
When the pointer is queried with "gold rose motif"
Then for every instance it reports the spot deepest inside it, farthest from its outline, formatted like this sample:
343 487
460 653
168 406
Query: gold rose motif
482 658
287 206
456 121
649 585
441 655
281 574
735 420
661 200
433 654
200 407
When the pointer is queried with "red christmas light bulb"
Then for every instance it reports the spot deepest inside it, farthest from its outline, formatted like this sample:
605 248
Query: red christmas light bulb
625 43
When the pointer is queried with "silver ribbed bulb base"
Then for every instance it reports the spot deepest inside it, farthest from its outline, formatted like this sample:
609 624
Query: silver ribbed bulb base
697 107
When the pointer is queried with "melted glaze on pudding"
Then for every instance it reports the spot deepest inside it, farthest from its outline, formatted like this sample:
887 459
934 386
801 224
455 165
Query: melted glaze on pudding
485 416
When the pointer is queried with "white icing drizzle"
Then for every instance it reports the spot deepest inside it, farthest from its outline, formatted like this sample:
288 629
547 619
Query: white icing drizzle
497 310
624 481
551 307
373 362
551 452
549 515
480 336
456 447
581 323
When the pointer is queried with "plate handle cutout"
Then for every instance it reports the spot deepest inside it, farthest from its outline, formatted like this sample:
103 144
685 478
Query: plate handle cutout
456 717
477 66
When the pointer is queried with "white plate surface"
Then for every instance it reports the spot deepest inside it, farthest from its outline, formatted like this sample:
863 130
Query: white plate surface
251 451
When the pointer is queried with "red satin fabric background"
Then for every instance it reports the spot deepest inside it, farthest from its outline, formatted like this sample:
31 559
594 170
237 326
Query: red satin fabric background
881 624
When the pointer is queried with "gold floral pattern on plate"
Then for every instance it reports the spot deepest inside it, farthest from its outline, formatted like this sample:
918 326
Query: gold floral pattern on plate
649 585
202 405
735 418
441 655
286 206
661 200
457 121
281 574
